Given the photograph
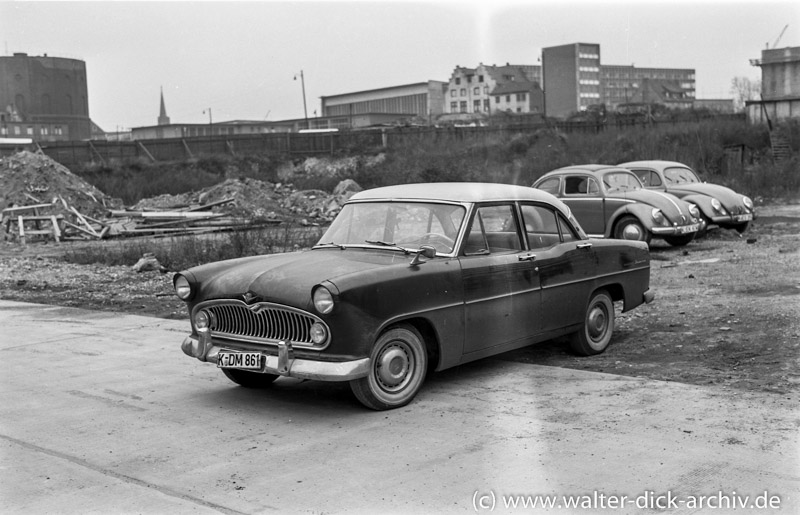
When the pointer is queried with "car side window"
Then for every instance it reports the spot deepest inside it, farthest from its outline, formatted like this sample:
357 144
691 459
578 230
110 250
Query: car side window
494 229
567 233
648 177
550 185
541 226
580 185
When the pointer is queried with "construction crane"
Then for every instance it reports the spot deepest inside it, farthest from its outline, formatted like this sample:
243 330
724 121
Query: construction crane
775 44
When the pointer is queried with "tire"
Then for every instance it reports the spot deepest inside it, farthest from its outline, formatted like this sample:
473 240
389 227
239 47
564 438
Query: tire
598 326
399 362
249 379
680 241
703 232
740 228
630 228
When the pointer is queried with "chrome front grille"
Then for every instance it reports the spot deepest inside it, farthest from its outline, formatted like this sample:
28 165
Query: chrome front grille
263 322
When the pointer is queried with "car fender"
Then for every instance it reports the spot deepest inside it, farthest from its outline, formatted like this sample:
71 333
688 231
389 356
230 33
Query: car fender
703 203
641 211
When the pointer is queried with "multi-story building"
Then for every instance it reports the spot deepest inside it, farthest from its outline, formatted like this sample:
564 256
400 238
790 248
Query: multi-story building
623 84
571 75
780 86
574 79
44 98
489 89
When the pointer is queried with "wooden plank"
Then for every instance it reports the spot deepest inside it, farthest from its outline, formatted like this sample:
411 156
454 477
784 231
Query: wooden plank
84 222
56 229
21 225
32 207
212 204
81 229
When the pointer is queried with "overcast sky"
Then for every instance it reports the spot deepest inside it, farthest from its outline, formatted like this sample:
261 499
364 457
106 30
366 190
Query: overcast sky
240 58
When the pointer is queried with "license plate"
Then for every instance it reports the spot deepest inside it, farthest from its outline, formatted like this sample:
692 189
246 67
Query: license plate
245 360
743 218
689 228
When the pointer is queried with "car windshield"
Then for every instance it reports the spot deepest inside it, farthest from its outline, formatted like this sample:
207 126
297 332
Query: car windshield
621 181
396 225
679 175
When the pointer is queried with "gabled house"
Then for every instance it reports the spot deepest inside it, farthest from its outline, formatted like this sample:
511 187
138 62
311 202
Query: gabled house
488 89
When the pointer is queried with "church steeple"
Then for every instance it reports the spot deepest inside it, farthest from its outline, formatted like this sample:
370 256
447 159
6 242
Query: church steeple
163 119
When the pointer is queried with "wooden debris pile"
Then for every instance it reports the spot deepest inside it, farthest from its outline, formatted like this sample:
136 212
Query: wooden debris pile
195 219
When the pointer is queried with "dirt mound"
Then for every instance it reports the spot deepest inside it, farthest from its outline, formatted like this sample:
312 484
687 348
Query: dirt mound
251 198
33 178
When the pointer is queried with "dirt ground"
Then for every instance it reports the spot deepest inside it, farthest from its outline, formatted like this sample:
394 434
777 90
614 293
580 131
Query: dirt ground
727 308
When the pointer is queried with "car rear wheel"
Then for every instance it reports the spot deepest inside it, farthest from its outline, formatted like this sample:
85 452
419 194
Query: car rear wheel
630 228
399 361
598 325
249 379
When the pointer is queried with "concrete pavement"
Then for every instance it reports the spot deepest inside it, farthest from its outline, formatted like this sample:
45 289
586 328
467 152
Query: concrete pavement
102 413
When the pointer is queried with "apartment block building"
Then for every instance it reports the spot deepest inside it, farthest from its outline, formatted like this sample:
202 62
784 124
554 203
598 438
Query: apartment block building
571 76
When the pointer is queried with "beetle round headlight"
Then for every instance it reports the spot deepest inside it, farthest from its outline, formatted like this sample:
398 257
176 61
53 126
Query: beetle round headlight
319 333
748 203
693 210
202 320
323 300
182 287
658 216
716 204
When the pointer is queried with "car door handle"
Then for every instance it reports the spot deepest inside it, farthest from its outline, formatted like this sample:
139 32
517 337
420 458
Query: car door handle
527 257
583 245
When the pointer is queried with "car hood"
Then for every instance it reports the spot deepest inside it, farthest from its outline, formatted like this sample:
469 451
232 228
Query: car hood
670 205
286 278
727 196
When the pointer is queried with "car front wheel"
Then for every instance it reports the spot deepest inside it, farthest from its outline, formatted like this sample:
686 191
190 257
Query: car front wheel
630 228
598 325
399 361
249 379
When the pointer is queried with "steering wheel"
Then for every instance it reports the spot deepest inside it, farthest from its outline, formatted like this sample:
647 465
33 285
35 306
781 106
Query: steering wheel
439 241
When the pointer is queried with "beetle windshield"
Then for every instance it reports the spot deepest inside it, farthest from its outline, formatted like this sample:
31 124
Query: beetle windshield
397 224
679 175
621 181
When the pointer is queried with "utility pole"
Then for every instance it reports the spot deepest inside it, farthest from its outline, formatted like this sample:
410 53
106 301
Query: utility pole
303 84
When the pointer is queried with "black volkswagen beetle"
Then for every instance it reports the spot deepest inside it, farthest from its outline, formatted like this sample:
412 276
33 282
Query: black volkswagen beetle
410 279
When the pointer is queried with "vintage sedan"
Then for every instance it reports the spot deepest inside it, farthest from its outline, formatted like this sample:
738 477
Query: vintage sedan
611 202
410 279
719 206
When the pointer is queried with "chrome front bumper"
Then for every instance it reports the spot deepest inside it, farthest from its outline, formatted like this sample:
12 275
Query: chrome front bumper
284 364
677 229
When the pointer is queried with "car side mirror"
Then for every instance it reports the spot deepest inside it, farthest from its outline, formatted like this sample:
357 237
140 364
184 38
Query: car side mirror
426 251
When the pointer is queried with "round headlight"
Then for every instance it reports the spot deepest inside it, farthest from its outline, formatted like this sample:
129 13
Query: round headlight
323 300
747 202
693 210
716 204
319 334
202 320
182 287
658 216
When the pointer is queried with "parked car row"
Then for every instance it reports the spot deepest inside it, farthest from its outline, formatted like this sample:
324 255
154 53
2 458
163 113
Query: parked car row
423 277
642 200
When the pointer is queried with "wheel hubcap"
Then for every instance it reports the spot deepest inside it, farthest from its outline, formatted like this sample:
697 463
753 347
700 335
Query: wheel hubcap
632 232
392 367
596 322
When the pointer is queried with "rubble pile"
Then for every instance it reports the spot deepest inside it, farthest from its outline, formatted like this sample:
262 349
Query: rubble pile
45 198
33 178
